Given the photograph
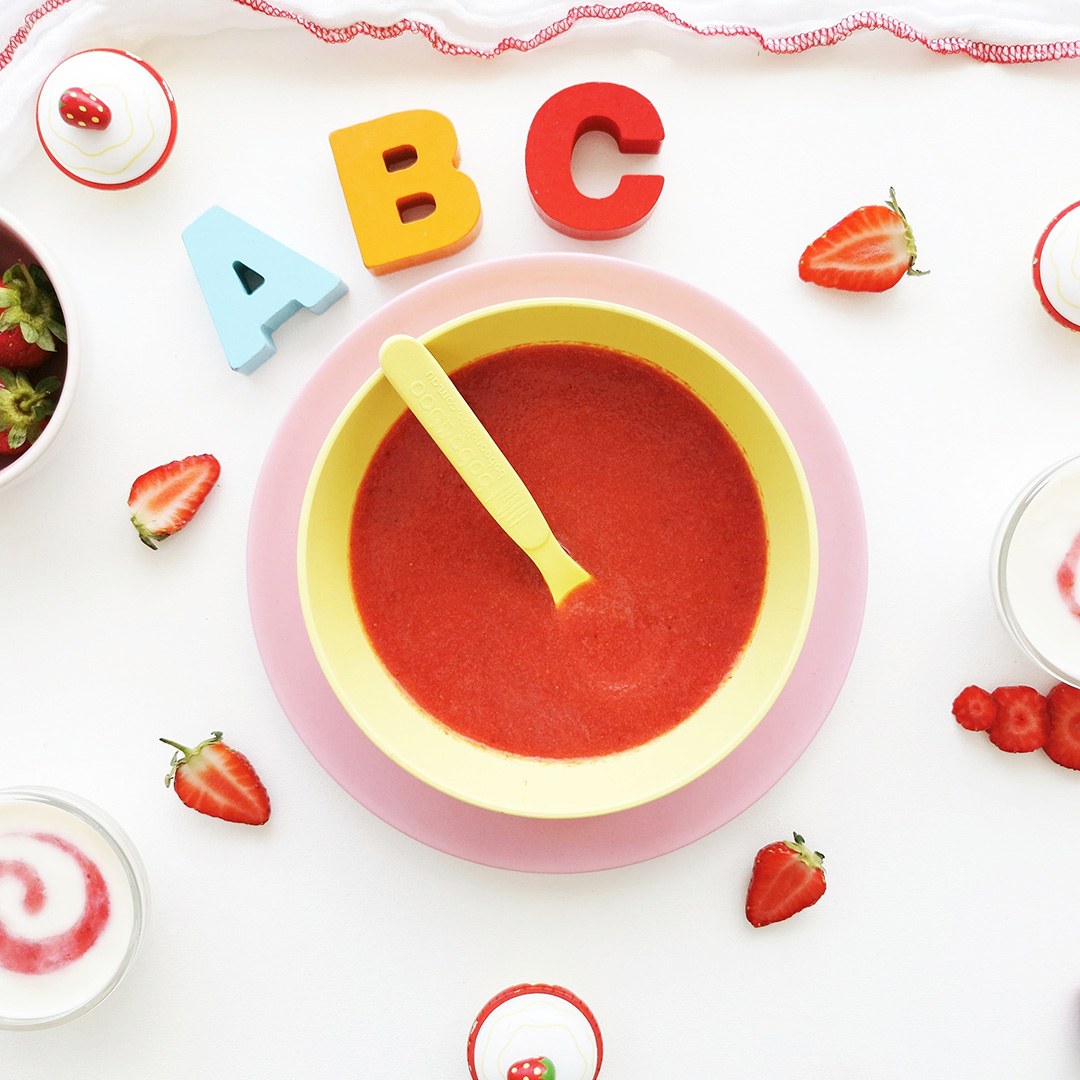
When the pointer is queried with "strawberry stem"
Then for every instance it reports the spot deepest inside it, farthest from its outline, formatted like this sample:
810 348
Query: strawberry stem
185 753
185 750
811 858
32 298
909 236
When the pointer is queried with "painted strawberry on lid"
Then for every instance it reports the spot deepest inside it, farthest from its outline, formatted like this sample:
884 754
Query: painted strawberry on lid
79 108
539 1068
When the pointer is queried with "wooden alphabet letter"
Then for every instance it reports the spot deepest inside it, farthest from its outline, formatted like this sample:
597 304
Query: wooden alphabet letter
630 119
407 199
252 284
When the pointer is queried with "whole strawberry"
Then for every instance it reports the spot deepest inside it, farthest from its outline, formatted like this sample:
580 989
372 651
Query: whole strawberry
870 250
787 877
25 409
31 321
217 780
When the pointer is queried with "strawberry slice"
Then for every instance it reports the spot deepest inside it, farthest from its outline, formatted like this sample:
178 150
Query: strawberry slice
870 250
219 781
1063 743
974 709
163 500
787 877
539 1068
1022 723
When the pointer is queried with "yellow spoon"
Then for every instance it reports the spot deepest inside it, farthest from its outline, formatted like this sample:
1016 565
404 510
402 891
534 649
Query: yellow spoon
423 385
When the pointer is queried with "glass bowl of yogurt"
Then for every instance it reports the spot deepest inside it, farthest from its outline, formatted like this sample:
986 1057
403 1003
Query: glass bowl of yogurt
1034 569
73 906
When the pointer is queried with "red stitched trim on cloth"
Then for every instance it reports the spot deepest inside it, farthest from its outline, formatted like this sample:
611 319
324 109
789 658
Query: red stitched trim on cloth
23 32
795 43
864 20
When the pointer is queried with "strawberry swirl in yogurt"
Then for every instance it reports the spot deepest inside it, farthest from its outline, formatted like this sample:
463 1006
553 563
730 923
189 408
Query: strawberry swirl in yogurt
1035 568
71 906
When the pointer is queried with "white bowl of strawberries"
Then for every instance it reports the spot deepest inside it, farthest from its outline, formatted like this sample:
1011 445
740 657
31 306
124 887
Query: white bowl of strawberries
39 351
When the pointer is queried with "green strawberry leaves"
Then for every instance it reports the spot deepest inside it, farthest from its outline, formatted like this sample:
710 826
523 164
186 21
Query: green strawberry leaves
28 301
24 407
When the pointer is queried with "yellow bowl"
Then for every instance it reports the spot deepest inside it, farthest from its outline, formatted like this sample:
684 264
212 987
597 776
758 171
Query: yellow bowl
544 787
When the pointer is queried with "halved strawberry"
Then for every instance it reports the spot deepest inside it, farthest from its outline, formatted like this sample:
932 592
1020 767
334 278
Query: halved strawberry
1022 723
1063 743
25 409
787 877
870 250
31 321
163 500
217 780
974 709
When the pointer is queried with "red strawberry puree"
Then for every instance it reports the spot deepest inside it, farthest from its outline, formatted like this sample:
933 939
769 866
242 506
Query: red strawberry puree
642 485
31 957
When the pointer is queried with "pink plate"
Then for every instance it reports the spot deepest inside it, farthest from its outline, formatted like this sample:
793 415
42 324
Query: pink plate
502 840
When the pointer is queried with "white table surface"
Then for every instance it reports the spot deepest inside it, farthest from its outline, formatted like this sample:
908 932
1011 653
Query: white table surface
327 943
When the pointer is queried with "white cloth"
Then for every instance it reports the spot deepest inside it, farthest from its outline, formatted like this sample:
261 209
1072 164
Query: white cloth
35 35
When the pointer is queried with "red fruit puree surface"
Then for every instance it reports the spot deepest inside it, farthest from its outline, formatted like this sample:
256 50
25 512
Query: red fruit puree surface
31 957
642 485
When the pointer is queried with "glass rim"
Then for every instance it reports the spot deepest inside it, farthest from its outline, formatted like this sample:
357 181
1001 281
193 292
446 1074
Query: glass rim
999 556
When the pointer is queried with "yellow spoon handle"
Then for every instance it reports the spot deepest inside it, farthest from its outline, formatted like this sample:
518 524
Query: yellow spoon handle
423 385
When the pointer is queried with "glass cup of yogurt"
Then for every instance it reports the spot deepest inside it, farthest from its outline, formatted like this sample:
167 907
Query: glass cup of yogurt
1035 566
73 904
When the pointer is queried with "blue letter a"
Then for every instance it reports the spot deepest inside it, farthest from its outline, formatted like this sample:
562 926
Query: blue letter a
252 284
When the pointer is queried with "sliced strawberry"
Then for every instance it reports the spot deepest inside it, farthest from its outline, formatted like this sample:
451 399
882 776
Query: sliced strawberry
1022 723
787 877
1063 743
974 709
31 321
79 108
539 1068
217 780
163 500
25 409
870 250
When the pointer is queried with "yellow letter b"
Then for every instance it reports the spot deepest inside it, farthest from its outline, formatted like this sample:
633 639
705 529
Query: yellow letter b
406 197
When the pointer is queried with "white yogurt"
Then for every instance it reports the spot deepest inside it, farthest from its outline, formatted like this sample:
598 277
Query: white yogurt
72 906
531 1025
1036 567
